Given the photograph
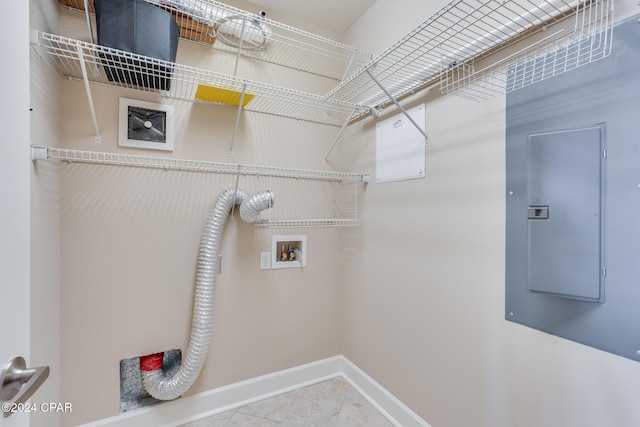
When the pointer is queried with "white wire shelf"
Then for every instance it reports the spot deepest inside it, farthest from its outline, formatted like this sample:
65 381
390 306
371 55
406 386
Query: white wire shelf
118 68
220 26
307 223
342 191
464 31
169 163
587 39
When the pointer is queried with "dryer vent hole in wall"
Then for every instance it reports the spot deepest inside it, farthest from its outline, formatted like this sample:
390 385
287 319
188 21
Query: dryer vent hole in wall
132 393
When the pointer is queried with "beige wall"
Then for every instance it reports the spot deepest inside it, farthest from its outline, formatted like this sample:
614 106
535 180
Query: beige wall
424 292
45 218
130 241
414 296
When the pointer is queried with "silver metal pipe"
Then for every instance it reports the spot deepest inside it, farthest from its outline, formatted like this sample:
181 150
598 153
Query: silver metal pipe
157 383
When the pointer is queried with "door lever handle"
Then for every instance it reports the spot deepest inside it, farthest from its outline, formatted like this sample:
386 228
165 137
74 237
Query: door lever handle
17 383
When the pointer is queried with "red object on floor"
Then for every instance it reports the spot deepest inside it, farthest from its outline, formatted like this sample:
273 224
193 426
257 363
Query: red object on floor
151 362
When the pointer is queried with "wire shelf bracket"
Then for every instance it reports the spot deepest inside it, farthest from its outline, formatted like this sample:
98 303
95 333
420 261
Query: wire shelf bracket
87 88
355 110
342 129
238 114
397 104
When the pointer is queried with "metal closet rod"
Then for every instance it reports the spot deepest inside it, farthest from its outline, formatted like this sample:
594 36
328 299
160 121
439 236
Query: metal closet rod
169 163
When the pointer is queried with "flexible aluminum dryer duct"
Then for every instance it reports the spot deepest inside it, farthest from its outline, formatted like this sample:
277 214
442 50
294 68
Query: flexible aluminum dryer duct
157 383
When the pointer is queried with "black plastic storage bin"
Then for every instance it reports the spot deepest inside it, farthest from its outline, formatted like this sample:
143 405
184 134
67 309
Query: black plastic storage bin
137 27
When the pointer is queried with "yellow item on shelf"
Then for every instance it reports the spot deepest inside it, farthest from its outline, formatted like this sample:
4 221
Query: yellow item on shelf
210 92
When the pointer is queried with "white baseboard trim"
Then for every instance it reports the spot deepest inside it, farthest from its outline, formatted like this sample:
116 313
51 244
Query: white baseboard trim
385 402
232 396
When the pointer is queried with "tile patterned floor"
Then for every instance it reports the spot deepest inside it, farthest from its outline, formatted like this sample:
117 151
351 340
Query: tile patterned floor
332 403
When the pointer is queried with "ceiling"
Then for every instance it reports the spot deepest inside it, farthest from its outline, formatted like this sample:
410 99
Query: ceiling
334 15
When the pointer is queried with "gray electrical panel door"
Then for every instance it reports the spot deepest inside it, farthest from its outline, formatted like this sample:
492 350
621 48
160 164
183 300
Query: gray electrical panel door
556 249
565 181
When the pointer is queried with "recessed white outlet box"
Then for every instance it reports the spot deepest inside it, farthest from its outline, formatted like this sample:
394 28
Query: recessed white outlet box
265 260
289 251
